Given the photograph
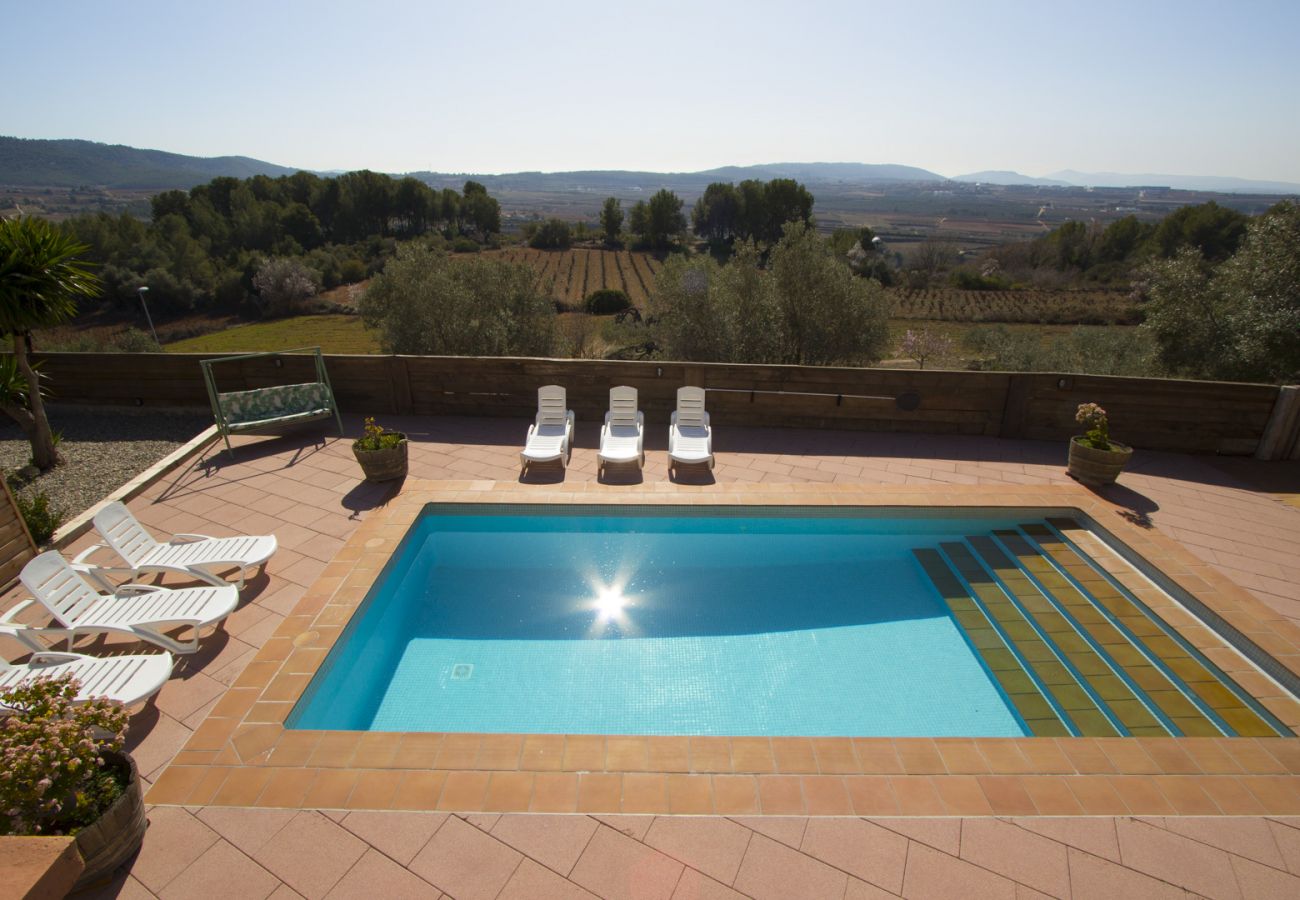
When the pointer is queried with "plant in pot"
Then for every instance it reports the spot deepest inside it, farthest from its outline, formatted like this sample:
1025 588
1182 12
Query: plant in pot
382 454
1094 458
63 772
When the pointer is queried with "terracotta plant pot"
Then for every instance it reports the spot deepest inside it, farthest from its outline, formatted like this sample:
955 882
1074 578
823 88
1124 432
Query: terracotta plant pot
1089 465
116 835
383 465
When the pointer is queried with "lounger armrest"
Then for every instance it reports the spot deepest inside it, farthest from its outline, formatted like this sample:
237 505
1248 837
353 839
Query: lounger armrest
190 538
83 558
54 656
133 590
26 636
8 618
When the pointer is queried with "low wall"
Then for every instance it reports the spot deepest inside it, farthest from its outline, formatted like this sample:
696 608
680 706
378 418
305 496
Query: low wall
1152 413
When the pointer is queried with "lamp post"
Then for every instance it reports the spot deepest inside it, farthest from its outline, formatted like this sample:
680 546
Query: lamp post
142 290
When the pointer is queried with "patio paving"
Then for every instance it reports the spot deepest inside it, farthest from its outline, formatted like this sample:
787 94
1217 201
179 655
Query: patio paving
307 492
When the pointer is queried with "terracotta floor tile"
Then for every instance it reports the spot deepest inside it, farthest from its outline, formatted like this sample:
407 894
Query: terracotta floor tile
794 755
669 753
690 794
781 795
584 753
1141 795
175 784
375 789
242 787
871 795
330 789
1052 796
1007 795
542 752
961 756
599 792
834 756
919 756
878 756
962 796
752 755
917 795
417 751
419 790
464 791
626 754
555 792
735 795
710 754
645 793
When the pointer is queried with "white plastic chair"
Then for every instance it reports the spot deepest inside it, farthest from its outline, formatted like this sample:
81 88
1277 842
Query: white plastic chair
128 679
690 438
194 555
140 610
550 437
622 437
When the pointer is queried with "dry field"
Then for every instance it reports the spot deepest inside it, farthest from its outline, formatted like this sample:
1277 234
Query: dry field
570 275
1026 306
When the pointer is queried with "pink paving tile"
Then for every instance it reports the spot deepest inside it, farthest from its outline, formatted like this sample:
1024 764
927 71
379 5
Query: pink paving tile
861 890
1176 859
695 885
1256 880
931 874
1092 834
862 849
536 882
247 829
1250 838
173 841
554 841
400 835
220 873
1020 855
375 875
712 845
615 867
1288 844
772 871
466 863
786 829
311 853
941 834
1091 876
632 826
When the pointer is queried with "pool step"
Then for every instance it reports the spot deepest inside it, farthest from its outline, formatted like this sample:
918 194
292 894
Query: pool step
1009 666
1062 663
1072 650
1209 689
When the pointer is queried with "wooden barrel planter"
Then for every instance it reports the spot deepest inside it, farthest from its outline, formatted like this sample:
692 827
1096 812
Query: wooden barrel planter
383 465
116 835
1089 465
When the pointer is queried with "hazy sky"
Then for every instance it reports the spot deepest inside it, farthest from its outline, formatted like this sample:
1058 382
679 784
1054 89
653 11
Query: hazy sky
1179 87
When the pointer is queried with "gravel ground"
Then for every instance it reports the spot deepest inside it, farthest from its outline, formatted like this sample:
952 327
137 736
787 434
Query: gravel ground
103 450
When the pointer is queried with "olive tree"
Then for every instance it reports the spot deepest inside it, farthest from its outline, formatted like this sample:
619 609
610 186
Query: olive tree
426 302
41 279
1238 320
827 315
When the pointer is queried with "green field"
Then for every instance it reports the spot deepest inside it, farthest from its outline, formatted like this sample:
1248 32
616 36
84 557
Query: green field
332 333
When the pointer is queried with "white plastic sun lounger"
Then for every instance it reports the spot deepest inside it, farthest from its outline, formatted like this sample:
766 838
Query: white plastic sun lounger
140 610
194 555
622 437
127 679
690 439
550 437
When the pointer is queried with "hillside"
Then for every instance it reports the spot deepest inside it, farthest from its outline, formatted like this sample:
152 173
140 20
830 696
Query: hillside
71 163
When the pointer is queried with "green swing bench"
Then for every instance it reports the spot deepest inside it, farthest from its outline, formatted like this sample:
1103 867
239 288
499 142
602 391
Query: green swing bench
274 409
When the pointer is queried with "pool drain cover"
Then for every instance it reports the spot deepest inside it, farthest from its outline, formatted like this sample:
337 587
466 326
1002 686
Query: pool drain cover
461 671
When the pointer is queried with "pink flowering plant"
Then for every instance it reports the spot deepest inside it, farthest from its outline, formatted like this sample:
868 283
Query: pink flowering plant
1093 418
53 776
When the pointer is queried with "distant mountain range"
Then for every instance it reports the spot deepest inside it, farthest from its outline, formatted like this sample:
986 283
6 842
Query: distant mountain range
74 163
1070 178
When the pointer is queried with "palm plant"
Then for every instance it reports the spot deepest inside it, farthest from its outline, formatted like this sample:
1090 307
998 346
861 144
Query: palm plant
41 279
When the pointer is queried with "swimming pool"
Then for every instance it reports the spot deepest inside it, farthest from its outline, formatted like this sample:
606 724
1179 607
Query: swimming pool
757 621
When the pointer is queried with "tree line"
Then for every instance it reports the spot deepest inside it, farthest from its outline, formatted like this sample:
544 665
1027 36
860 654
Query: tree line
204 247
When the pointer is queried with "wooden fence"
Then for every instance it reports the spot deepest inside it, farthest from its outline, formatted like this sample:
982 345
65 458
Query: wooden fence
16 545
1152 413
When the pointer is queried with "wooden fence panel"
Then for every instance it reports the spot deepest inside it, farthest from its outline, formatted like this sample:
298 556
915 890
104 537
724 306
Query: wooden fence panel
16 545
1192 416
